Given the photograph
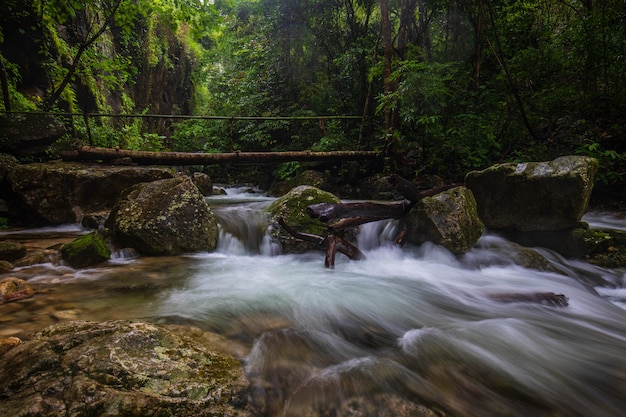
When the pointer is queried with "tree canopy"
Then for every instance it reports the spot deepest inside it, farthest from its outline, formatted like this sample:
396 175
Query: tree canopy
443 86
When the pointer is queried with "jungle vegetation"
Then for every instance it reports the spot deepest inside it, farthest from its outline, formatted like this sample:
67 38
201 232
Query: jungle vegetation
446 86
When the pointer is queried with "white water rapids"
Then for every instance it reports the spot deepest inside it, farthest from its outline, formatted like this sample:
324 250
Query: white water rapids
416 324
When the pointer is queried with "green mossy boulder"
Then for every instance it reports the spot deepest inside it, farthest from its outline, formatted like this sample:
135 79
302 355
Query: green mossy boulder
86 250
449 219
292 208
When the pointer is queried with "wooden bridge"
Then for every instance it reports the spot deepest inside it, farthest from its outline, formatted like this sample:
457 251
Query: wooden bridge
90 153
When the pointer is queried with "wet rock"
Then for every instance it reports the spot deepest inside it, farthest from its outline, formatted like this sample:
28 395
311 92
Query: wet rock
13 289
309 177
611 253
28 134
86 250
449 219
5 266
203 182
120 368
165 217
292 208
11 251
535 195
59 193
8 343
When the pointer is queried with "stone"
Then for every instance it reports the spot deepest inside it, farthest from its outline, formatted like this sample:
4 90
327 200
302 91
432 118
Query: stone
8 343
534 195
11 251
203 182
87 250
292 208
165 217
13 289
449 219
309 177
28 134
120 368
5 267
61 193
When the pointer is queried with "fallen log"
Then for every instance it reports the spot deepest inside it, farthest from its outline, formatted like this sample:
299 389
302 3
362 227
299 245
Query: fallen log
90 153
330 211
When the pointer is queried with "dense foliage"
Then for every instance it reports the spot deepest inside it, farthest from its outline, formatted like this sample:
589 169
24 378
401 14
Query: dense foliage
444 86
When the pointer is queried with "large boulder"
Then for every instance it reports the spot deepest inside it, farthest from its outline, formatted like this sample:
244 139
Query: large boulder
120 368
292 208
165 217
58 193
535 195
28 134
449 219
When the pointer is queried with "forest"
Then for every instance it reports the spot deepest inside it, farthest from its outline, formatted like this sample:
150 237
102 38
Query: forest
441 86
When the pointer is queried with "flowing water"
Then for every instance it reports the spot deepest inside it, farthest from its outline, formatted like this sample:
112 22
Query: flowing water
413 324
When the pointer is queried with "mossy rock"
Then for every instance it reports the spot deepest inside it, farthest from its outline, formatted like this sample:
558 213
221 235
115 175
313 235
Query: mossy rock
11 251
164 217
292 208
120 368
449 219
86 250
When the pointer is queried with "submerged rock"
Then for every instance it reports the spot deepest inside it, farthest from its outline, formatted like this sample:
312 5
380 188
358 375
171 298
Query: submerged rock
13 289
165 217
86 250
535 195
449 219
120 368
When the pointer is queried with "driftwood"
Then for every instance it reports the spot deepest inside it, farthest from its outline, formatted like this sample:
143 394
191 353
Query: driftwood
90 153
547 298
333 244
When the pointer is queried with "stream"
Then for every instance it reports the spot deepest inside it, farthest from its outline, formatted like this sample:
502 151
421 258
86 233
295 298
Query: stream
409 325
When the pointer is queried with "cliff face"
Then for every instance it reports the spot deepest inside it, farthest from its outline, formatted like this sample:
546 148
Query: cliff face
146 68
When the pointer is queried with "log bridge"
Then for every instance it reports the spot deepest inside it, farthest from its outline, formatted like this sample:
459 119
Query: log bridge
91 153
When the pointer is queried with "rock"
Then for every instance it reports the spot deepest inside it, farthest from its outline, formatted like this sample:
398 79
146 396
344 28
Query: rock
165 217
292 208
60 193
309 177
5 267
535 195
13 289
203 182
449 219
28 134
7 162
8 343
610 252
120 368
11 251
86 250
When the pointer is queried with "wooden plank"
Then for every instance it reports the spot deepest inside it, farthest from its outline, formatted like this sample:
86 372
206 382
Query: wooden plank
89 153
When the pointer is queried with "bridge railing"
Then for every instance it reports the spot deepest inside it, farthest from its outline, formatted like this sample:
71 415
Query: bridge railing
231 136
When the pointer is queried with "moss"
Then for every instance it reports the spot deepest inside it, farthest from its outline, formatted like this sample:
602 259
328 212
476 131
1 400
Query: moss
86 250
292 207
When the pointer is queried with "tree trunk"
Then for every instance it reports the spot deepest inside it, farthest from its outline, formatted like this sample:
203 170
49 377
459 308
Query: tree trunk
87 153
